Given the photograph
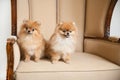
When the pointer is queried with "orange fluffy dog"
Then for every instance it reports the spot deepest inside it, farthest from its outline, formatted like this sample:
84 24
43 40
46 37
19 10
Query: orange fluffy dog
62 43
31 41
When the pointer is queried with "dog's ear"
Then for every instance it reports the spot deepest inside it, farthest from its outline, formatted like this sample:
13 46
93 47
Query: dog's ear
37 23
25 23
59 24
73 23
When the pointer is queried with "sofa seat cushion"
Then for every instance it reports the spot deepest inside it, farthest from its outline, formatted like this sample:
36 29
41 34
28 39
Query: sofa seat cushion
80 64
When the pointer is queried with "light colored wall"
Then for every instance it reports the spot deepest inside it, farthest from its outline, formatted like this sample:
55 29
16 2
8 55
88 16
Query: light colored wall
5 29
115 21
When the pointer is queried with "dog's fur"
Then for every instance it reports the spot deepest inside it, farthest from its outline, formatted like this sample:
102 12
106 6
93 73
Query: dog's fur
31 40
62 43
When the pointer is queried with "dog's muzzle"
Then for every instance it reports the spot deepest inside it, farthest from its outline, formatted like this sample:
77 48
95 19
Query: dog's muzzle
67 35
29 32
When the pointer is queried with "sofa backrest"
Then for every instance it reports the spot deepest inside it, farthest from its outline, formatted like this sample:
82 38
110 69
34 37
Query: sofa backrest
51 12
89 16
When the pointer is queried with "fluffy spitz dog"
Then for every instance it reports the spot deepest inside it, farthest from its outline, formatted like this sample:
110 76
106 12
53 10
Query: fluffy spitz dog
62 43
31 40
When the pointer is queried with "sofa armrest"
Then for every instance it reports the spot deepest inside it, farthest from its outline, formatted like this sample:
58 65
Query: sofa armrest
106 49
13 56
10 58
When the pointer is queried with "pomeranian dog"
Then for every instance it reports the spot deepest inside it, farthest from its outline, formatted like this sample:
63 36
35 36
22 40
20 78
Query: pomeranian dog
31 40
62 43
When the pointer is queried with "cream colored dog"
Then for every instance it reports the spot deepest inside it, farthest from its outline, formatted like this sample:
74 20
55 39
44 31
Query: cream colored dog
62 43
31 40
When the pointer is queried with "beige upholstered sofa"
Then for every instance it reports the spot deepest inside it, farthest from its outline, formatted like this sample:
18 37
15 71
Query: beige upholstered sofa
96 58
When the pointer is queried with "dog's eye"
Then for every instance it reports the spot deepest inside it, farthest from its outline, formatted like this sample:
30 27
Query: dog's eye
33 29
64 31
70 31
26 28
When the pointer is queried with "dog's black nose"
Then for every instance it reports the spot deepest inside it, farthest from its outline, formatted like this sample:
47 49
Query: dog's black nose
28 31
67 33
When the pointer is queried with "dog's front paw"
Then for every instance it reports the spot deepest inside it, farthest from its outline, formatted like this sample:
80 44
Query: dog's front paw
37 60
27 60
54 61
67 61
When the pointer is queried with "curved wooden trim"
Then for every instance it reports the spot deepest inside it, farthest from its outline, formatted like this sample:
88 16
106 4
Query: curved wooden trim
10 58
108 18
14 17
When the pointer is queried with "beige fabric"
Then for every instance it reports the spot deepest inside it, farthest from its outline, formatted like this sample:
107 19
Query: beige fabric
106 49
73 10
44 11
16 55
83 66
95 17
93 75
22 12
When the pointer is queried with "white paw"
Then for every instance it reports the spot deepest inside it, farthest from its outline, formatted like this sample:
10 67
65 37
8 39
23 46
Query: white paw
37 60
27 60
67 61
54 61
